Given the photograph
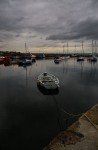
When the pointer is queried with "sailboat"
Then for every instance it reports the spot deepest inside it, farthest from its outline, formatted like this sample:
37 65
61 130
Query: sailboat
26 61
65 56
81 58
74 54
57 58
93 58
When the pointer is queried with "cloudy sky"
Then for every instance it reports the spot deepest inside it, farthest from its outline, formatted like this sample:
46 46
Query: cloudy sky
47 24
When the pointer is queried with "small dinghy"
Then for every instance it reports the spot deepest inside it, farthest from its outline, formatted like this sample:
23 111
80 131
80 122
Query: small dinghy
48 81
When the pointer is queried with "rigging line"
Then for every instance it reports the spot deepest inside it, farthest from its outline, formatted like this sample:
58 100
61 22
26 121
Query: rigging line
70 114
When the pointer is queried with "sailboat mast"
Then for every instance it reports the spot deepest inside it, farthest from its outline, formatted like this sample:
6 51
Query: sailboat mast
92 48
25 47
95 47
82 48
63 49
67 47
75 50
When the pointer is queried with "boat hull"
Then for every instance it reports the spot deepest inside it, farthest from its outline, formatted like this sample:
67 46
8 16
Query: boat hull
48 82
48 86
80 59
25 62
92 59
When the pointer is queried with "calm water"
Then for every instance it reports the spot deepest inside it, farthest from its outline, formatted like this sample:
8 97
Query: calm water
29 118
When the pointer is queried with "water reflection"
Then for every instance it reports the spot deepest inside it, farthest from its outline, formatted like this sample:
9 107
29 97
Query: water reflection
30 116
48 92
26 67
65 66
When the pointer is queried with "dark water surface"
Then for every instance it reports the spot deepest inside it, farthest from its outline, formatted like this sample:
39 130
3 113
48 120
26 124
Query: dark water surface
29 119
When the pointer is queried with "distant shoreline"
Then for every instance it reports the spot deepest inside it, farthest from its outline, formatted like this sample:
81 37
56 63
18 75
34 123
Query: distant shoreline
47 55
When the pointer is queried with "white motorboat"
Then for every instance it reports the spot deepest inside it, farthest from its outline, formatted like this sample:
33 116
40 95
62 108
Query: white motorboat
67 57
80 59
48 81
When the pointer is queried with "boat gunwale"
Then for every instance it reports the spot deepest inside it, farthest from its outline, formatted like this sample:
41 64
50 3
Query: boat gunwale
54 81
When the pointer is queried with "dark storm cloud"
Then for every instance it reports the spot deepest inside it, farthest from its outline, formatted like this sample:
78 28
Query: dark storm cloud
3 2
94 3
54 19
11 24
87 29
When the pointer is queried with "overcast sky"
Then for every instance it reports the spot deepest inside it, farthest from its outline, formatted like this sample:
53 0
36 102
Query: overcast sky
46 22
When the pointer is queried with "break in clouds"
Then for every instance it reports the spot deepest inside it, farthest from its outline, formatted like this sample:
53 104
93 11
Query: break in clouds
42 22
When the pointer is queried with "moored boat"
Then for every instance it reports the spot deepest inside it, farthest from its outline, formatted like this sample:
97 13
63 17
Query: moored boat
7 61
48 81
80 59
92 59
25 62
1 59
57 59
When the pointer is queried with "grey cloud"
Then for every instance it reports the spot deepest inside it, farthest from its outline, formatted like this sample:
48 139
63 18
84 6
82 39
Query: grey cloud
4 2
32 36
1 41
87 29
94 2
6 36
54 19
10 24
17 35
37 15
3 46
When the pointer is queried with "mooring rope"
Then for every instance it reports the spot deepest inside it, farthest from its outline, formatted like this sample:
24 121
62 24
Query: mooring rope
76 115
70 114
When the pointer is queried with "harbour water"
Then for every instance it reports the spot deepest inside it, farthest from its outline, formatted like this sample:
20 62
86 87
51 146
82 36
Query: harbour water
30 118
